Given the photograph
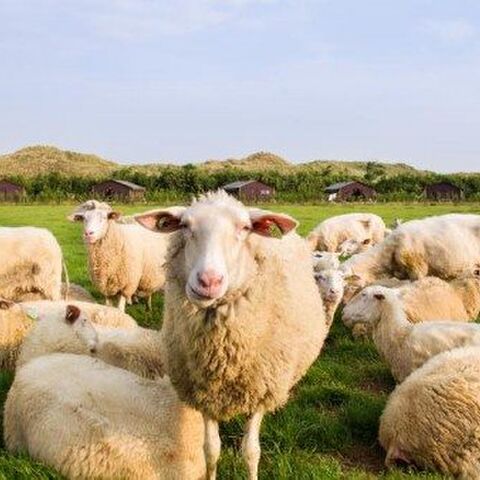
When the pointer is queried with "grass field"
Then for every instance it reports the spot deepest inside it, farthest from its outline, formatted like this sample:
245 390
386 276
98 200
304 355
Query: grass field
328 430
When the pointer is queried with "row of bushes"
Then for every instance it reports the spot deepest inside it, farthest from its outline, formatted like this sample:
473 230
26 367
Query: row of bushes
178 183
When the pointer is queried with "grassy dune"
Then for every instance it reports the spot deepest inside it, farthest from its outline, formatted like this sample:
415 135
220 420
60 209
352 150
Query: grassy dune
328 429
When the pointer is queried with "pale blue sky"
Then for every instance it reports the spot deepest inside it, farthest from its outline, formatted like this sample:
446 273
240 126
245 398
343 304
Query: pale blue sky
187 80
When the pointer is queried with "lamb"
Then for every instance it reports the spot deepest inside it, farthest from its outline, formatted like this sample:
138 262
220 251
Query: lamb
333 232
31 263
325 261
429 299
445 246
432 419
243 320
403 345
88 419
17 320
331 287
124 259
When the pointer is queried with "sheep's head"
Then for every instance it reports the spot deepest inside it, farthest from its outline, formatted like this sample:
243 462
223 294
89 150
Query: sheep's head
81 326
330 285
95 217
366 306
351 247
216 231
325 260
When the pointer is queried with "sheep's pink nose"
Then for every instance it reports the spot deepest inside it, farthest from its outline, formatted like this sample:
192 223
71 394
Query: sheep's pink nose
210 279
89 233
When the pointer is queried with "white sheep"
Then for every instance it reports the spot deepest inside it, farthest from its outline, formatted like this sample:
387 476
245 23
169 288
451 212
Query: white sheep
331 286
325 261
124 259
88 419
31 263
428 299
432 420
243 318
445 246
330 234
403 345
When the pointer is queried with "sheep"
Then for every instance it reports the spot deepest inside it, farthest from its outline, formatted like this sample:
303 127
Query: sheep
88 419
17 320
31 263
243 319
428 299
73 291
331 287
124 259
333 232
444 246
403 345
432 419
325 261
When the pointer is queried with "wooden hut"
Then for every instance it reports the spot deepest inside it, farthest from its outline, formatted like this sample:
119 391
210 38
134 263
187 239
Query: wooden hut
443 191
11 192
350 191
120 190
249 190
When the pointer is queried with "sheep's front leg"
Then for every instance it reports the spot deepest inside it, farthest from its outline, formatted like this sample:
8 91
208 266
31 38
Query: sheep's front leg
108 301
149 303
122 301
211 446
251 444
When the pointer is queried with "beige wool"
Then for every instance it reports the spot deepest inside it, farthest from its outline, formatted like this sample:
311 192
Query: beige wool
432 419
31 263
88 419
249 349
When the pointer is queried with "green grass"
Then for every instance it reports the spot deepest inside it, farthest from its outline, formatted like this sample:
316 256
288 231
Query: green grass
328 430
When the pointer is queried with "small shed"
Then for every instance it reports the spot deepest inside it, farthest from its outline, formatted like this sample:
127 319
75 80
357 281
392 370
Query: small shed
119 190
11 192
443 191
350 191
249 190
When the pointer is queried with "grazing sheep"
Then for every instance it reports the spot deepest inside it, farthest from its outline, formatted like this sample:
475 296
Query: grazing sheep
325 261
445 246
88 419
243 319
403 345
428 299
330 234
331 287
124 259
16 321
432 419
31 264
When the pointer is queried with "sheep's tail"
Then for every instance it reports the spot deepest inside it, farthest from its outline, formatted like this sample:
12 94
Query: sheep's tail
66 278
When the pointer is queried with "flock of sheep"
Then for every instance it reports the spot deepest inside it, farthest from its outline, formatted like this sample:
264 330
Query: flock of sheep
245 315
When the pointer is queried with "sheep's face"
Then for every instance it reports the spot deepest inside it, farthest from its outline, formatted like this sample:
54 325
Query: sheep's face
330 285
365 307
351 247
95 223
216 230
325 260
82 327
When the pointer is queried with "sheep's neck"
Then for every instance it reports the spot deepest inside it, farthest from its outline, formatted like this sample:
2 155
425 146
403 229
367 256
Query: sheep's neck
391 330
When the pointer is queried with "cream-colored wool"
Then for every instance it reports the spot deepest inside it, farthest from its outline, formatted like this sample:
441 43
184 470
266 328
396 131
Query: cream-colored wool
403 345
432 419
88 419
445 246
128 260
330 234
325 261
31 263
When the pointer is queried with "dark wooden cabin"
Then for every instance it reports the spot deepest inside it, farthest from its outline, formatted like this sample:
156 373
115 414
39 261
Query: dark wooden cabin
11 192
249 190
443 191
350 191
120 190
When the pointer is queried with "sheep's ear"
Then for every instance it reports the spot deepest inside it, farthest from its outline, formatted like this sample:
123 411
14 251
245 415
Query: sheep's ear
72 314
5 304
76 217
164 221
269 224
114 215
379 296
